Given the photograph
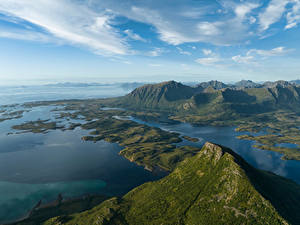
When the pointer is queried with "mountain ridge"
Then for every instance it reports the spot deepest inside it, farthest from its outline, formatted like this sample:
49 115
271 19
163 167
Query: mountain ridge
174 96
216 186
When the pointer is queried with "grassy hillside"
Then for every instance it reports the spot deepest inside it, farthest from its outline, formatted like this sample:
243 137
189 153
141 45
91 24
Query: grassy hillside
216 186
162 96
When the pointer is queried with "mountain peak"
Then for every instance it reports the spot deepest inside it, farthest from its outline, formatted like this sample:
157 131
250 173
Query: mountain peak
246 84
279 83
214 84
170 82
212 151
159 95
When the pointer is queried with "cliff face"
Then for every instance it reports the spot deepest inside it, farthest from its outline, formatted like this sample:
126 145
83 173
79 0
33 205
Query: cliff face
216 186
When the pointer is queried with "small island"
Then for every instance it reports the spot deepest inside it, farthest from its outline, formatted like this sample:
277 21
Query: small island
192 139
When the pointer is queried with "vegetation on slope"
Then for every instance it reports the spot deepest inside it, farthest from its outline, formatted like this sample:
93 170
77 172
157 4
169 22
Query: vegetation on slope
215 186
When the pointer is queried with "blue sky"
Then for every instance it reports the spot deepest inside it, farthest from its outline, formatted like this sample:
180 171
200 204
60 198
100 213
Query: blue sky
44 41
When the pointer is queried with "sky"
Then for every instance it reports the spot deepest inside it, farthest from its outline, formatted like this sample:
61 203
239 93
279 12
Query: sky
46 41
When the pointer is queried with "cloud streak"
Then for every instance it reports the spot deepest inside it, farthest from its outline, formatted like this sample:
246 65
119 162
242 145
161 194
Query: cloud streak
178 22
70 21
293 17
208 61
94 24
272 13
134 36
253 55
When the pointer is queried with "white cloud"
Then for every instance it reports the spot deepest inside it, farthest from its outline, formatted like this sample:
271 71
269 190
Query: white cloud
209 61
156 52
293 17
175 26
242 10
279 51
193 13
21 34
182 52
209 29
272 13
92 24
248 59
211 58
253 55
134 36
207 51
70 21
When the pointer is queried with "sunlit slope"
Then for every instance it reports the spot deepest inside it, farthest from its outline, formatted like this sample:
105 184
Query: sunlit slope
216 186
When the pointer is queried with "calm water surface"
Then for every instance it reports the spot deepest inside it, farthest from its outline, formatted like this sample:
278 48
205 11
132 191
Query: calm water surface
21 94
41 166
226 136
37 167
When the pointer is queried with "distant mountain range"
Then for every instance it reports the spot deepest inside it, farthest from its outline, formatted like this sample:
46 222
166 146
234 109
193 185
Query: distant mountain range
245 97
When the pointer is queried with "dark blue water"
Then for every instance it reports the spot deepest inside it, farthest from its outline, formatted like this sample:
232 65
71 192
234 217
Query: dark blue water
37 167
266 160
287 145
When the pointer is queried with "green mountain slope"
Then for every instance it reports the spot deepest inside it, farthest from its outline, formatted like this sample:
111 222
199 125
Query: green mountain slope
164 95
213 84
213 97
246 84
216 186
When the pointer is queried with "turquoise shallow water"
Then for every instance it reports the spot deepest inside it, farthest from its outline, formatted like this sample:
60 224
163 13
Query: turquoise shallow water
16 198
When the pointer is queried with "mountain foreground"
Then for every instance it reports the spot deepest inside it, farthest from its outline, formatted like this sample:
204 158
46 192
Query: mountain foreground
216 186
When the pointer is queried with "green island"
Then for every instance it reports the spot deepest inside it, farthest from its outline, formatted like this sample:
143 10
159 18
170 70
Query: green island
7 114
192 139
39 126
